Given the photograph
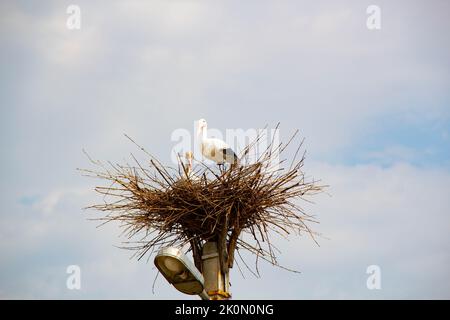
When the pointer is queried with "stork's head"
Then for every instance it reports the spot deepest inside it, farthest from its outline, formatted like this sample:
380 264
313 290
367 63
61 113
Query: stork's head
202 125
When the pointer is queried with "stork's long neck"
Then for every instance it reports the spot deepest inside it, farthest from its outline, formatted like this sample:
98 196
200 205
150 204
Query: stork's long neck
188 169
203 133
189 166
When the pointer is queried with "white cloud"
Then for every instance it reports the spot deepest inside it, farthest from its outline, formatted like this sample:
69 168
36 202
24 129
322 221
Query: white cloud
315 59
48 203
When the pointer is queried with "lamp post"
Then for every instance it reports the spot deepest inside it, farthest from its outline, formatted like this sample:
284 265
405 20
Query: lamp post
216 282
186 278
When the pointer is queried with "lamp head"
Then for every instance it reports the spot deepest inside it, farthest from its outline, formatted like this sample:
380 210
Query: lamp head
179 271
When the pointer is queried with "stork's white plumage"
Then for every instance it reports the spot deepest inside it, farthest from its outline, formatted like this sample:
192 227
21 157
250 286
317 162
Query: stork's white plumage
215 149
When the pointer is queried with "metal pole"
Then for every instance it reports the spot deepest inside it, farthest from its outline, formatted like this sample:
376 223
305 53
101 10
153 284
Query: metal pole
216 283
204 295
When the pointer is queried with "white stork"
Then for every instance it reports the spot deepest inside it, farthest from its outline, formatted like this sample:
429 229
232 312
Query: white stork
215 149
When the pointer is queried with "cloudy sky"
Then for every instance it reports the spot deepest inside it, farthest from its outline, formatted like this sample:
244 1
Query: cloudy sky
373 105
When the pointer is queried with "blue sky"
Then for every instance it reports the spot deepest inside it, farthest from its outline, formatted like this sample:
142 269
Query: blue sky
373 105
420 142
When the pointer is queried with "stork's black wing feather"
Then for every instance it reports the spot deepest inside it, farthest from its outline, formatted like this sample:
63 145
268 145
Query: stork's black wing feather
229 156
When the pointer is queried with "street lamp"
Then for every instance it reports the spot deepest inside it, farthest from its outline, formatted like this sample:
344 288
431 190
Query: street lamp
180 272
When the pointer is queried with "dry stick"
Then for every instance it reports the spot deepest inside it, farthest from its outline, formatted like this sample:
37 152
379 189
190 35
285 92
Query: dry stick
222 244
245 264
240 270
150 155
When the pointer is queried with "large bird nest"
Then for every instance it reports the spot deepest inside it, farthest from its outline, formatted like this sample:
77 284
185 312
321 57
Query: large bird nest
237 207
